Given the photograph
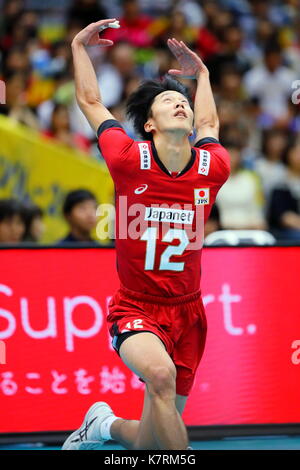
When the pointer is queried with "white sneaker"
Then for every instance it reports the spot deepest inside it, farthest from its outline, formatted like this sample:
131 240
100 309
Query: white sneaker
88 436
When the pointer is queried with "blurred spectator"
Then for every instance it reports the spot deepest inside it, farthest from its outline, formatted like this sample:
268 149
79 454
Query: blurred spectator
173 26
240 200
284 212
17 60
230 99
231 87
17 25
290 38
25 27
192 11
73 26
271 83
232 131
10 13
87 11
34 224
279 13
180 26
80 213
213 222
156 7
61 131
251 115
217 18
119 112
12 223
231 53
207 44
113 75
270 165
293 119
16 106
265 33
134 26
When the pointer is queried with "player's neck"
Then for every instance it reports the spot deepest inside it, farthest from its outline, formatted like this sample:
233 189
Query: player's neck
173 150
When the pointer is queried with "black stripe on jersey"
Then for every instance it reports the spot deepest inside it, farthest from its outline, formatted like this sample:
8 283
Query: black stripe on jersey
107 125
206 140
115 329
165 170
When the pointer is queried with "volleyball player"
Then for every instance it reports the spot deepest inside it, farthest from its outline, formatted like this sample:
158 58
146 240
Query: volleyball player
156 318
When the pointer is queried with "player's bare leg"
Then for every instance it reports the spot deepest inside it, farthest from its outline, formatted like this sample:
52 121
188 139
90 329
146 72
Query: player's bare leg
132 433
139 434
146 356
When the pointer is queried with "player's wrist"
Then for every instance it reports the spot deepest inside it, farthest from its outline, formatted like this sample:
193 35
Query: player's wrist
77 43
202 73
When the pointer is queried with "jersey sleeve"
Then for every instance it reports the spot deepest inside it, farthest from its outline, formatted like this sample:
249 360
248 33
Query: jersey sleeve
214 160
114 144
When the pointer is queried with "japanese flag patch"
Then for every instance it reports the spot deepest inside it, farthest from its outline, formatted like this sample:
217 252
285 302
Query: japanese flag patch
201 196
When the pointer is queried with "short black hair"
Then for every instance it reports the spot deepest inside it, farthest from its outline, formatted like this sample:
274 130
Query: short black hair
138 106
272 47
31 212
76 197
9 208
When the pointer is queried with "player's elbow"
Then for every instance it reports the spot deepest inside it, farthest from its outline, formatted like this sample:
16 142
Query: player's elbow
208 129
87 100
210 123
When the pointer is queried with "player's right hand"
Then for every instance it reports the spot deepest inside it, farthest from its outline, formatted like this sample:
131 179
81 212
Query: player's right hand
191 64
89 36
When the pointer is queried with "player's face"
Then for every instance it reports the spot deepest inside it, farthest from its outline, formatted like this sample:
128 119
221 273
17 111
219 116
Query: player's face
171 112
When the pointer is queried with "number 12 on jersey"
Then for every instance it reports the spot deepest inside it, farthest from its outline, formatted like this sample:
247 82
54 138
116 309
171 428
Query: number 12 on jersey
150 236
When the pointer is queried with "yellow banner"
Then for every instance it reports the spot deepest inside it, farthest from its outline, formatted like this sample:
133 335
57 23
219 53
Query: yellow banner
43 172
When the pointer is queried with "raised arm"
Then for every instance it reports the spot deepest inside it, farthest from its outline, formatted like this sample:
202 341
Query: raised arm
86 85
206 121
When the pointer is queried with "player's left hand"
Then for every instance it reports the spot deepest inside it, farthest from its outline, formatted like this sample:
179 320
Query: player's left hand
191 64
89 36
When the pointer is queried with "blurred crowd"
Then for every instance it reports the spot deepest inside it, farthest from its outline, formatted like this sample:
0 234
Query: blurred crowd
252 50
23 222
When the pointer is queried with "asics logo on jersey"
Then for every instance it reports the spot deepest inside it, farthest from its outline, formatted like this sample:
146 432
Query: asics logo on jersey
141 189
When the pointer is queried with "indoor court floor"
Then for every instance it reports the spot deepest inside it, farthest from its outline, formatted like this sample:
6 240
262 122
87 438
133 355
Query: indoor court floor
232 443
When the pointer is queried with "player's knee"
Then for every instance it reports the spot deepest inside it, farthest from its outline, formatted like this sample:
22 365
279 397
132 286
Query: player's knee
161 381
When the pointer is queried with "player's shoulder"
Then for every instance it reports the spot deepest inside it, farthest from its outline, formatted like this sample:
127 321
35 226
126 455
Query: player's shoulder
209 143
114 139
214 159
109 124
118 130
116 144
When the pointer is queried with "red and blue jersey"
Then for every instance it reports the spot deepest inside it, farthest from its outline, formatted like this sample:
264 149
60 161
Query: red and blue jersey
160 216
